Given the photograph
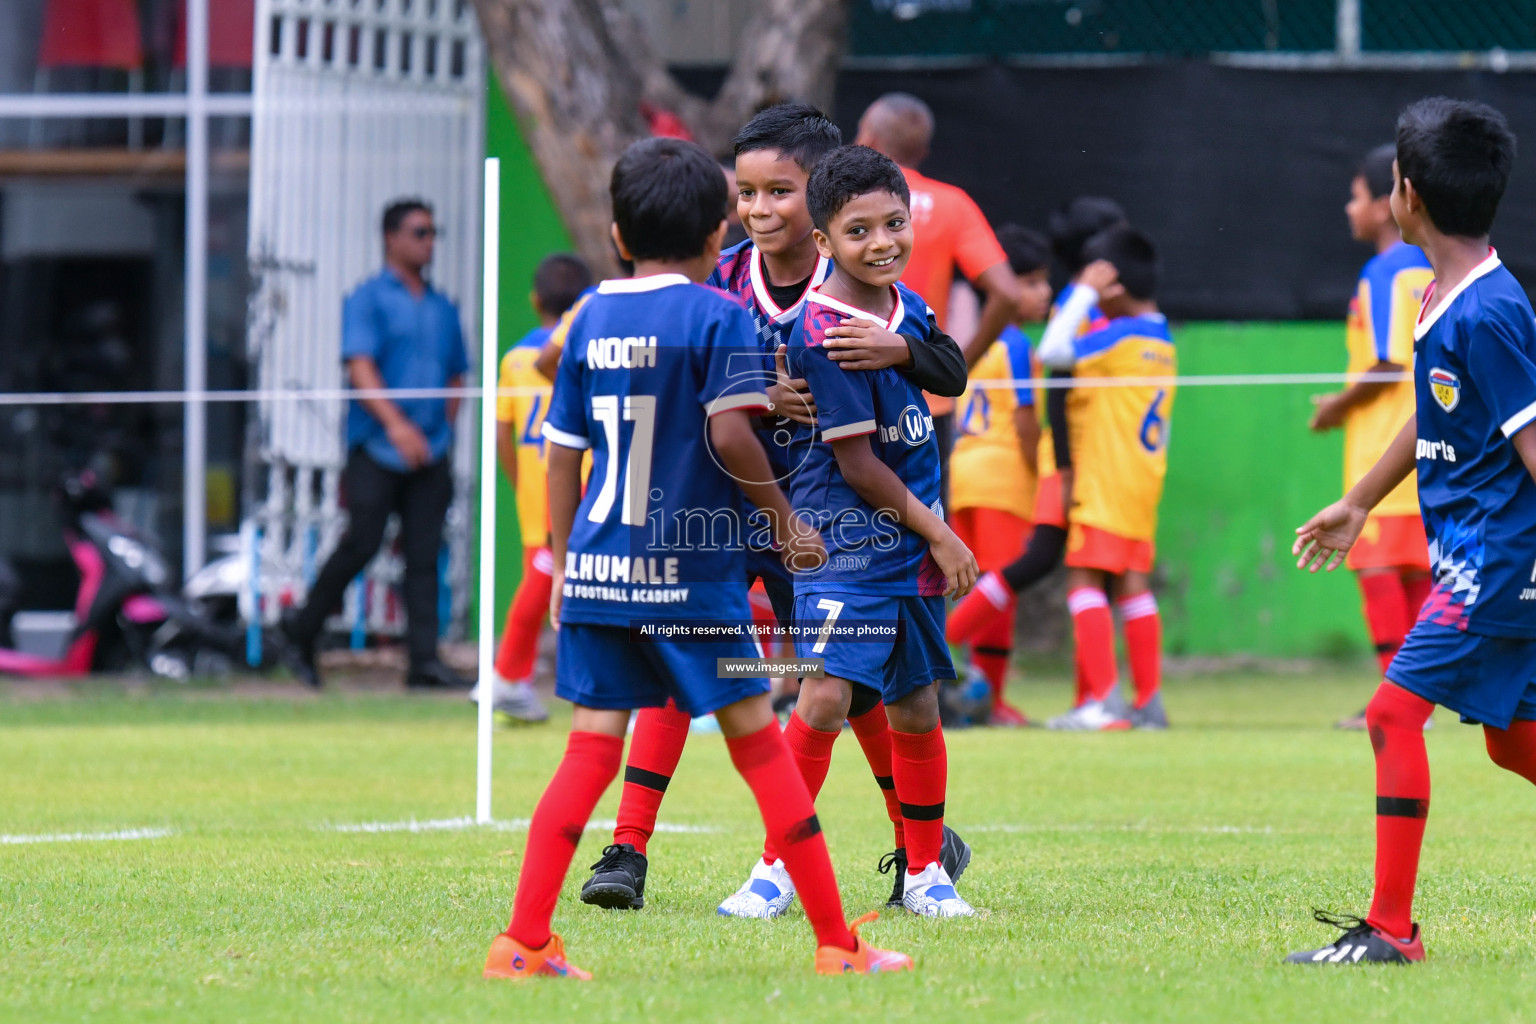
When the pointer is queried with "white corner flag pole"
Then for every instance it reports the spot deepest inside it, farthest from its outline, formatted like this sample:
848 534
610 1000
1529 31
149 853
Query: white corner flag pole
488 373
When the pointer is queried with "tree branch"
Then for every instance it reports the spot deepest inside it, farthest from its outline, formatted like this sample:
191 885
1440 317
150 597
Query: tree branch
576 72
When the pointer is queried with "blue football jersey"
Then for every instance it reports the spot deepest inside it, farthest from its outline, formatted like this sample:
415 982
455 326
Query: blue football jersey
740 271
659 532
1475 387
865 545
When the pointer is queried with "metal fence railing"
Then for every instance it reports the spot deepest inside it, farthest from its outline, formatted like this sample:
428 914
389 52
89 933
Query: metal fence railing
1345 29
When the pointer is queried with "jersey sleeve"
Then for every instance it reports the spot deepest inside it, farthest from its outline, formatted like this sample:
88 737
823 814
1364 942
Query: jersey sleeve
1378 296
1499 360
1088 346
976 247
506 405
1016 347
565 423
732 374
845 399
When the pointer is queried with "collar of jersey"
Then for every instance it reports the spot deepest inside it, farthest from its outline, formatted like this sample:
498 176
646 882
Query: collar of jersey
812 295
631 285
765 297
1481 270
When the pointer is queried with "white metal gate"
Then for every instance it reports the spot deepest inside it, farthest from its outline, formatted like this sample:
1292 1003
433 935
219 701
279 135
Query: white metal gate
355 103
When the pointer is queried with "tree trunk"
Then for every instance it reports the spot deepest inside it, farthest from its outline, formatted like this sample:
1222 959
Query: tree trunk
577 71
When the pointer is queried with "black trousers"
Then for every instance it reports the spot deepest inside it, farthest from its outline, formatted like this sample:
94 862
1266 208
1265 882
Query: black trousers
421 498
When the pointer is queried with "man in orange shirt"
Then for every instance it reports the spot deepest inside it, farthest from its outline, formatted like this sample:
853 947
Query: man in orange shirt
949 231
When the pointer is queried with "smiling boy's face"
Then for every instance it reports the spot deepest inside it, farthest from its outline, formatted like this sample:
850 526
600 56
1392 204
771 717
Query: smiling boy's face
870 238
770 200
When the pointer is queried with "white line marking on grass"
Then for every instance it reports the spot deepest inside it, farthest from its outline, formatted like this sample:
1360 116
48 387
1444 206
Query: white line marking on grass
88 837
509 825
1232 830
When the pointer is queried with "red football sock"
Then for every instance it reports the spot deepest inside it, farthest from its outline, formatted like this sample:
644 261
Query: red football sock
660 734
1416 588
590 763
1144 644
1094 630
1079 679
1513 749
873 731
1395 719
1386 613
811 751
989 601
993 650
764 761
921 768
520 640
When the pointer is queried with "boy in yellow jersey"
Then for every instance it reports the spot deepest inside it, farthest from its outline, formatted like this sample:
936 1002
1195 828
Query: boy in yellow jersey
1391 558
1119 443
992 467
557 284
984 609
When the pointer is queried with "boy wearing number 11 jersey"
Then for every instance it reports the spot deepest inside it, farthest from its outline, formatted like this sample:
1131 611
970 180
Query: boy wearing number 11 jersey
647 383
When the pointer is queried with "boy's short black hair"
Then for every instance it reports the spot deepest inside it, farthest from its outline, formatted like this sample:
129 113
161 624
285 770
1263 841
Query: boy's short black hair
1458 154
1027 249
797 130
1133 255
847 173
1376 170
668 198
1078 220
559 281
396 212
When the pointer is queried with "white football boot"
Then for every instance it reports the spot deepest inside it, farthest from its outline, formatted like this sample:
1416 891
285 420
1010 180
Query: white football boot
930 893
766 893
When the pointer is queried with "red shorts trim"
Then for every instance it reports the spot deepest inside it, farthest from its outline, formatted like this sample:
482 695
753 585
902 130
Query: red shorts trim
1390 542
995 537
1089 547
1048 507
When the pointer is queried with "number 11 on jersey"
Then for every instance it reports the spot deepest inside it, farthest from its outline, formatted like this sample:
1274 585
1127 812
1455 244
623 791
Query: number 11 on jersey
641 411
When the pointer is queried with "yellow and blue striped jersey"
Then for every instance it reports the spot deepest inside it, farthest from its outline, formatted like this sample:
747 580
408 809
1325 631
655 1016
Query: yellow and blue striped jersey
986 467
1119 433
1380 329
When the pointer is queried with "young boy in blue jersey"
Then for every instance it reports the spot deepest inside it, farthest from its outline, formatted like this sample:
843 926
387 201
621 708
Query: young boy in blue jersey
648 384
770 275
868 477
1473 441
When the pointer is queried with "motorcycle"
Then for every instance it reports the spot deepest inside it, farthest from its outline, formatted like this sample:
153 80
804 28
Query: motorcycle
128 613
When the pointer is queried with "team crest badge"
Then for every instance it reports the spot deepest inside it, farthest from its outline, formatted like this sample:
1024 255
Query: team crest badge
1446 387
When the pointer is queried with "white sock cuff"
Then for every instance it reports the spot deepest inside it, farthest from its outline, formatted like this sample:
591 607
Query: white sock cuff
1138 607
995 590
1086 598
544 561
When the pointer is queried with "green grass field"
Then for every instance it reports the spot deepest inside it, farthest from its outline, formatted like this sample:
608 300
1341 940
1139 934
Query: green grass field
1124 877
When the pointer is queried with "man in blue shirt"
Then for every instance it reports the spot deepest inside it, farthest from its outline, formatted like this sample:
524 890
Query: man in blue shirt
397 332
1473 443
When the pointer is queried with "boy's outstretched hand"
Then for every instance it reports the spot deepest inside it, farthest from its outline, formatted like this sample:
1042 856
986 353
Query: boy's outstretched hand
957 563
860 344
1323 540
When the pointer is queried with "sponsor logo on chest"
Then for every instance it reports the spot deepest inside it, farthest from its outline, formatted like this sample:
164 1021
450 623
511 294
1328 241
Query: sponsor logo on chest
914 426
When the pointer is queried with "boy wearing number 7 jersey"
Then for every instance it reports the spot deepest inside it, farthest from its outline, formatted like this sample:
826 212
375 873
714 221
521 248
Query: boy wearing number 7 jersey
1119 440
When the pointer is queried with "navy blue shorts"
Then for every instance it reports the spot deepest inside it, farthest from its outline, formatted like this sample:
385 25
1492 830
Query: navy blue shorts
1486 679
601 667
902 648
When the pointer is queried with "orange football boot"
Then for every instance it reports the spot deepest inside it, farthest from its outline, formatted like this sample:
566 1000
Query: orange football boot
862 958
511 959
